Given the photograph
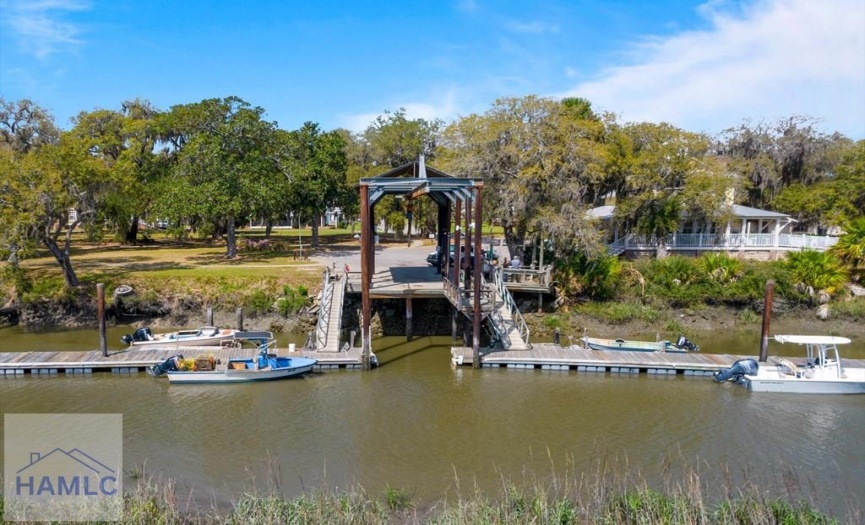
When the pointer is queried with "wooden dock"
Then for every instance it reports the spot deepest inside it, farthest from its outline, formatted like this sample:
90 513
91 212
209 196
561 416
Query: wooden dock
548 356
134 360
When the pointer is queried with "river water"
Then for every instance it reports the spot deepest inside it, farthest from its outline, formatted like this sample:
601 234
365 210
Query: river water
419 424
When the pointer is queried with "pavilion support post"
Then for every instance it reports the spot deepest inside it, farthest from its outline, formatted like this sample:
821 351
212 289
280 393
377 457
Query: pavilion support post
444 223
408 316
466 262
455 276
767 319
366 242
476 317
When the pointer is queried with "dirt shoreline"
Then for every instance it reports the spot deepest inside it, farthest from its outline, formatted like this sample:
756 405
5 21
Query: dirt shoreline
702 321
189 311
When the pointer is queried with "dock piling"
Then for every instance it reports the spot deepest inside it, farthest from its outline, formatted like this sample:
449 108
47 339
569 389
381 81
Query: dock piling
767 318
209 316
100 313
240 319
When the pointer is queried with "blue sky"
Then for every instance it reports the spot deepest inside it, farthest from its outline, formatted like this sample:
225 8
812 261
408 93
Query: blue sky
703 66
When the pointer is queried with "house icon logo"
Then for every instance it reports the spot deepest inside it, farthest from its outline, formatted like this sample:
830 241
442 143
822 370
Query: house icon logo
62 467
65 473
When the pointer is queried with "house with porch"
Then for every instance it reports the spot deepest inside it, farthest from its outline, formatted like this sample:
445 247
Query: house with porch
751 233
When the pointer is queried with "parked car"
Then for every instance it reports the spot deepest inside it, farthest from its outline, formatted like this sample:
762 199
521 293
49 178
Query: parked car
433 259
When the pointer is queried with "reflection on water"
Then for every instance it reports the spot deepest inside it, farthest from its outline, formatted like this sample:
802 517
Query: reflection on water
419 424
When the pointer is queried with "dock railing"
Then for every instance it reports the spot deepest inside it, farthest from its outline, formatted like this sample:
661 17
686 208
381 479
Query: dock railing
321 326
511 305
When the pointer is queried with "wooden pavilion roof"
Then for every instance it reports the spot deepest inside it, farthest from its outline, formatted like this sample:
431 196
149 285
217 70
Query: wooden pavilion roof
415 179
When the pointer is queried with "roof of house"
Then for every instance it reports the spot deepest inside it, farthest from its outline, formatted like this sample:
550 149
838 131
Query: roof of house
755 213
743 212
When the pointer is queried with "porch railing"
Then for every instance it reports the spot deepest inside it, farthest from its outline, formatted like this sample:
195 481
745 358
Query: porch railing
749 241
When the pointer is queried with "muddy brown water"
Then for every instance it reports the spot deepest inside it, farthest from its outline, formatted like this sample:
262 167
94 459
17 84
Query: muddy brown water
419 424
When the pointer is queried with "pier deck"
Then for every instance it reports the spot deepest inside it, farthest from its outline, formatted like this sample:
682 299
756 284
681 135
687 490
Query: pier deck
548 356
137 360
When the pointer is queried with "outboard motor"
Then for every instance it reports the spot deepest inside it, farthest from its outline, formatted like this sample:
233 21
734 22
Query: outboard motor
683 342
169 365
735 372
142 334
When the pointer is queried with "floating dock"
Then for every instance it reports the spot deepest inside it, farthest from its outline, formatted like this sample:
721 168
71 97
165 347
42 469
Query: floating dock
135 360
548 356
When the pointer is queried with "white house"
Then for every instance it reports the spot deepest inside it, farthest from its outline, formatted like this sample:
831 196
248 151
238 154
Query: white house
751 233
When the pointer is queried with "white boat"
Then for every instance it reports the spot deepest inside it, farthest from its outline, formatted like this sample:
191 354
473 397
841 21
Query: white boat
263 367
821 373
683 345
203 336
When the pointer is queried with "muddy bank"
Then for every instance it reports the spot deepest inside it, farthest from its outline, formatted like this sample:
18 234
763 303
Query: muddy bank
430 317
689 322
80 311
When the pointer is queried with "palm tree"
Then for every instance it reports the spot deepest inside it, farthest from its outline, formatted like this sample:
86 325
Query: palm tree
850 248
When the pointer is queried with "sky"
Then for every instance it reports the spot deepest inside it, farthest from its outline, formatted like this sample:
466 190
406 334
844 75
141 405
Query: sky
704 66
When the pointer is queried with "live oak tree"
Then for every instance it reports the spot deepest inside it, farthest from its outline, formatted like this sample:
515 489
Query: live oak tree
665 175
318 171
542 162
224 155
47 193
126 142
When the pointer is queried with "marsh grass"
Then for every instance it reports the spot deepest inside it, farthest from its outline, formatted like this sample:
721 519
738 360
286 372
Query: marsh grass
611 493
851 310
620 312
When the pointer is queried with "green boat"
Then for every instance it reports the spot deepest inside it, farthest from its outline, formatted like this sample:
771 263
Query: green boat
682 345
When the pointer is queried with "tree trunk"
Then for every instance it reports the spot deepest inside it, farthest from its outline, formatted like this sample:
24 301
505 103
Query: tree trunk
268 229
62 257
661 249
514 241
231 239
13 255
132 232
316 219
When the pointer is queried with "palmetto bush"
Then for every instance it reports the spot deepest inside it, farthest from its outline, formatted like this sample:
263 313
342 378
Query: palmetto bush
817 271
595 277
720 268
850 248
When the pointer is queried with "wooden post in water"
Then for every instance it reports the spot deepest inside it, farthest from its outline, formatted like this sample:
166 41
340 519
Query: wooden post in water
454 314
476 307
209 316
366 247
767 318
100 313
408 315
240 319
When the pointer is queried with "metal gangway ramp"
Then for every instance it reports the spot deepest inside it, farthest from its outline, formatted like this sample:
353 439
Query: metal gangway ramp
506 321
498 309
329 325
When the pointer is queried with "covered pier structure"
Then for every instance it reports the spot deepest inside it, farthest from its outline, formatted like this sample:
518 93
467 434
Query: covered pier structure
459 202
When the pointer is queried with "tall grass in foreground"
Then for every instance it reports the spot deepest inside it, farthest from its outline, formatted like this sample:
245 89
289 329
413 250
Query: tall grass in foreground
602 497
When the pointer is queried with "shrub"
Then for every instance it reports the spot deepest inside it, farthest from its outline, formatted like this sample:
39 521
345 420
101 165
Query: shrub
719 267
595 277
817 270
293 300
259 302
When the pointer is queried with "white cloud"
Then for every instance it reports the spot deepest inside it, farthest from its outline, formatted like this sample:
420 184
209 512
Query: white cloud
39 25
444 107
774 58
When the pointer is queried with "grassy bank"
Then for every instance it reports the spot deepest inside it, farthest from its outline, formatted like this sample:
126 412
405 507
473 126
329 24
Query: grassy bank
560 501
